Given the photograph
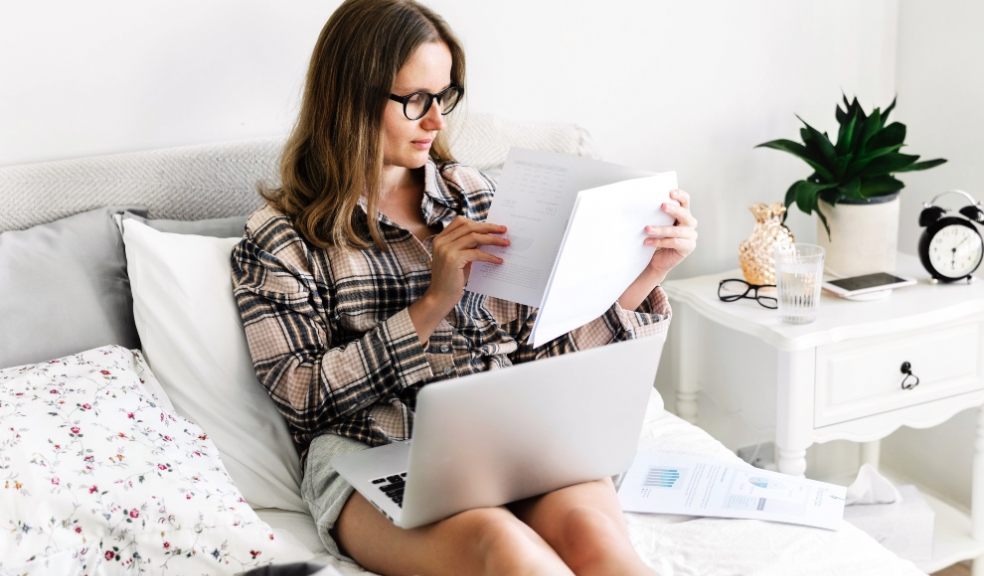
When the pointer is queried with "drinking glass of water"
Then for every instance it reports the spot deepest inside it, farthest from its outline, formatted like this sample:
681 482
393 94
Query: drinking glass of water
799 273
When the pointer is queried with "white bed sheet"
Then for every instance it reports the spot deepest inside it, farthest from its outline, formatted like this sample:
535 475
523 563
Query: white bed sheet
685 546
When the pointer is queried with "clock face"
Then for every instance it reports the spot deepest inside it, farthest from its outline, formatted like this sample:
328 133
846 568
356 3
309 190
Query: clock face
955 251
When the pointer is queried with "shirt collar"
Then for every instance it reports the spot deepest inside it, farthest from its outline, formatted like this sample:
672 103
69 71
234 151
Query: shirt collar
437 203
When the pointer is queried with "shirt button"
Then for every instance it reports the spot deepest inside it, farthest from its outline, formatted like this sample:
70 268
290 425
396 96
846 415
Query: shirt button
445 348
447 371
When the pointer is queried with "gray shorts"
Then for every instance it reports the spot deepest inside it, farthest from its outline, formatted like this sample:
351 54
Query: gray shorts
324 490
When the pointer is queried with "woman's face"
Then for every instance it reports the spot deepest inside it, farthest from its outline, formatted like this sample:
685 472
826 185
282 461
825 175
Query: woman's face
407 143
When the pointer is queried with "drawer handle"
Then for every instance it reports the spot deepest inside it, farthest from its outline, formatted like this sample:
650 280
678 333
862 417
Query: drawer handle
910 380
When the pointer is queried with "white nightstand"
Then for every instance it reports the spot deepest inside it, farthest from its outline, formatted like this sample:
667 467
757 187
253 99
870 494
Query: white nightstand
840 377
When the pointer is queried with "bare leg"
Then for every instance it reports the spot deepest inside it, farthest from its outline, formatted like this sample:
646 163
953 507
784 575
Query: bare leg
481 541
584 524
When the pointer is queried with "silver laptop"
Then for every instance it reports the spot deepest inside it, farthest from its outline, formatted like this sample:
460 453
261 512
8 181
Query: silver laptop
504 435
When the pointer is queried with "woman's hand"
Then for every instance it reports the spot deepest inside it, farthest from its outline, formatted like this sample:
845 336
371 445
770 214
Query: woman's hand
673 244
454 250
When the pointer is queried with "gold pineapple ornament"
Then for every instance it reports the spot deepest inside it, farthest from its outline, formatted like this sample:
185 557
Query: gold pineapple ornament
755 253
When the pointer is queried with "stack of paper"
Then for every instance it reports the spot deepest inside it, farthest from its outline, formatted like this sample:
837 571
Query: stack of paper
576 232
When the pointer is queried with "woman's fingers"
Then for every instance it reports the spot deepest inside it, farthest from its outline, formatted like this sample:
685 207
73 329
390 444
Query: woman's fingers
678 237
461 226
681 244
681 196
476 239
666 231
457 241
681 214
681 210
476 255
459 245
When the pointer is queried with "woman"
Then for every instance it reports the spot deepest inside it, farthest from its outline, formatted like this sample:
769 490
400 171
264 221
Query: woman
350 283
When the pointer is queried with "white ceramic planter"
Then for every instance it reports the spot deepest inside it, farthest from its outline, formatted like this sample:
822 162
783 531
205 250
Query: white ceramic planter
863 238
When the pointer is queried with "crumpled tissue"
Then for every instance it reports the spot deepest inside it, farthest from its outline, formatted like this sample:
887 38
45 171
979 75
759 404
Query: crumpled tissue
870 487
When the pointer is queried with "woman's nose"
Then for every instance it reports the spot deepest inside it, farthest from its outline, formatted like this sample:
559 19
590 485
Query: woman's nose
433 119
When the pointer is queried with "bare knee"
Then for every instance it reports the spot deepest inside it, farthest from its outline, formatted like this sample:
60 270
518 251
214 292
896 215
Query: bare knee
589 537
500 543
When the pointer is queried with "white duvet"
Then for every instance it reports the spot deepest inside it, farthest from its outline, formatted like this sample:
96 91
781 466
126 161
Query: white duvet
684 546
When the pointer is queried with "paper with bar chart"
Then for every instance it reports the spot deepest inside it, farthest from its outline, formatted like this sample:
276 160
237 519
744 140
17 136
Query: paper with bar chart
673 483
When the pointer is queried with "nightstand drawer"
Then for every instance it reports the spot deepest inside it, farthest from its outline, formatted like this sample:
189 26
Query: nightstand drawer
857 379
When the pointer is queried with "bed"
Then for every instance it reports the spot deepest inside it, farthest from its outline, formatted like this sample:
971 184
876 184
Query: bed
134 437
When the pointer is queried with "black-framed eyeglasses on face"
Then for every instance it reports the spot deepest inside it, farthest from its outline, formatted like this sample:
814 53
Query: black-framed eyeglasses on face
731 289
416 105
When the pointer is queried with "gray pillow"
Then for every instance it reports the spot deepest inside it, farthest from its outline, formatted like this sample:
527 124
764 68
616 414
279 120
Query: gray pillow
229 227
64 289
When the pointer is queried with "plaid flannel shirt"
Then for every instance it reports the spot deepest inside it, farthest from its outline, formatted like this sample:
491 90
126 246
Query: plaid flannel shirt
330 333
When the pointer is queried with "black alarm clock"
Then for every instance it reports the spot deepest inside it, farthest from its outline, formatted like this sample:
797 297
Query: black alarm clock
951 247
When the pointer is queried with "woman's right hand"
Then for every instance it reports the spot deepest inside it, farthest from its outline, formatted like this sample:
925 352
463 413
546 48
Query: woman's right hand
454 250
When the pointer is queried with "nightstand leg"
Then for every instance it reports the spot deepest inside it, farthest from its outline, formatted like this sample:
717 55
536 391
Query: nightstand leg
792 462
687 387
977 491
794 409
871 453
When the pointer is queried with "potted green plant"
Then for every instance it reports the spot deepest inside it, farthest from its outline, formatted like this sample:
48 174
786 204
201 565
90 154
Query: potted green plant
852 188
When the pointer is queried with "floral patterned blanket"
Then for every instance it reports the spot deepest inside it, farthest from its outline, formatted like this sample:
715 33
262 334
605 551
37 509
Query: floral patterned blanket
98 476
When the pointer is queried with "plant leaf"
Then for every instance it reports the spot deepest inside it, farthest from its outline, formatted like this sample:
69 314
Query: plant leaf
858 131
801 152
889 163
794 148
823 220
880 185
818 141
872 126
790 198
924 165
889 109
841 115
830 196
861 162
842 165
845 136
851 189
858 109
804 194
869 155
892 134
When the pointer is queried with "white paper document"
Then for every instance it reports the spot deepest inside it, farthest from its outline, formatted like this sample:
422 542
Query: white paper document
575 227
672 483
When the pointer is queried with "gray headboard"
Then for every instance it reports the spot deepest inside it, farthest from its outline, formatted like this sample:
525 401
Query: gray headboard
216 180
184 183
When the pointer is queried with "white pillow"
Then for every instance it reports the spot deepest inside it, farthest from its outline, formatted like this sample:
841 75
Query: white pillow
100 478
192 336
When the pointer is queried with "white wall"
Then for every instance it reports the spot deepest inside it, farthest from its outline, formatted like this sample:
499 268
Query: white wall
690 86
103 76
940 95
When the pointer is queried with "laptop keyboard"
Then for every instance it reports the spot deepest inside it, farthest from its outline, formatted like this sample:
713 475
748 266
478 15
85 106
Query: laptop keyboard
392 486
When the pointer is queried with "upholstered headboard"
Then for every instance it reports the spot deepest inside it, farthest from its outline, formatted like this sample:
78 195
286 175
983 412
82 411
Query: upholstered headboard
216 180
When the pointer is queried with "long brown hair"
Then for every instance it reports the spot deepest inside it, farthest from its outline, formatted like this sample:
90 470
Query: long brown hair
334 153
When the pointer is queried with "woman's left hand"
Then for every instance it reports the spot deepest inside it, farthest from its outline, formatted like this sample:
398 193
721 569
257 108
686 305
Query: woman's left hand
673 243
